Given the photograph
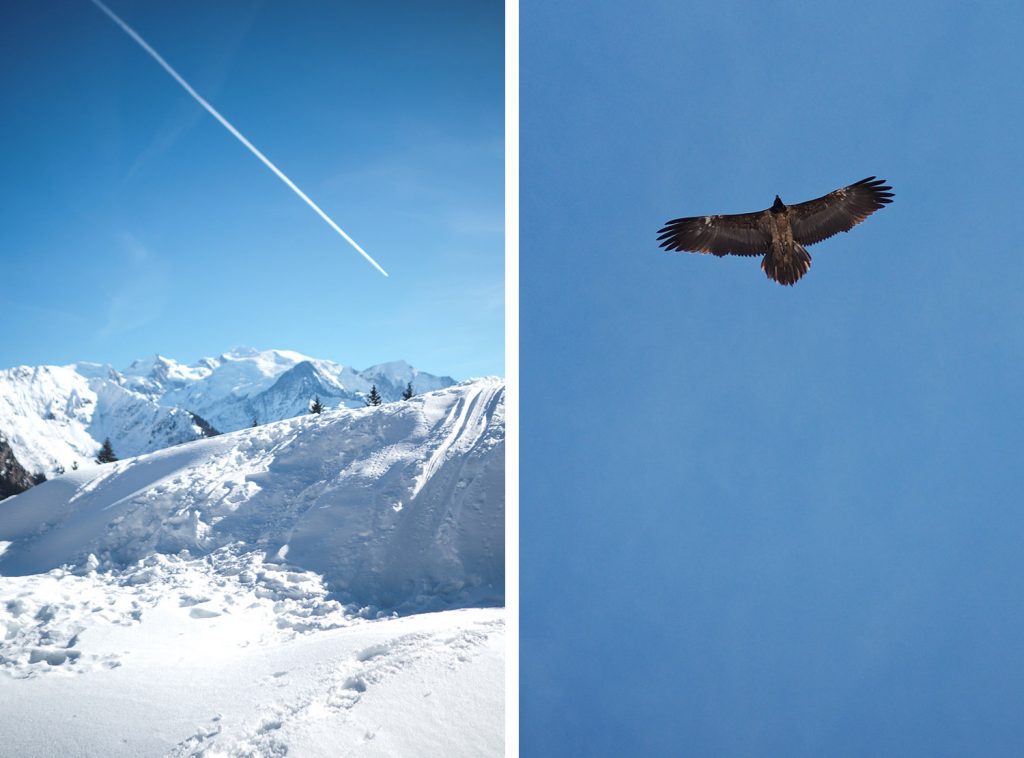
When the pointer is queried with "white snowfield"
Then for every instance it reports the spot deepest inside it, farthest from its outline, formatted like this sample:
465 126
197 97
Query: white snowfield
240 595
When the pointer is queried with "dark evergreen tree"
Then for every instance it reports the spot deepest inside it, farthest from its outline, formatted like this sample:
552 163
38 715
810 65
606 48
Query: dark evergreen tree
106 453
255 421
374 397
408 391
317 406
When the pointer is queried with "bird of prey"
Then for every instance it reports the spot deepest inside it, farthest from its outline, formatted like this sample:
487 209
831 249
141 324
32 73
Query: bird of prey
780 232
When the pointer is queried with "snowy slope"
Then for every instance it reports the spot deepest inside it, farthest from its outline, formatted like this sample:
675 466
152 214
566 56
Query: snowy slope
395 506
258 572
56 416
172 659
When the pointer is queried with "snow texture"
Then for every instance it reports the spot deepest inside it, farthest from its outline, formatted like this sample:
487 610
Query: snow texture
250 594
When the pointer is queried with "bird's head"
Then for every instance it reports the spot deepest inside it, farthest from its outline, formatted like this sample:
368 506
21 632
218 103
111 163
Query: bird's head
778 206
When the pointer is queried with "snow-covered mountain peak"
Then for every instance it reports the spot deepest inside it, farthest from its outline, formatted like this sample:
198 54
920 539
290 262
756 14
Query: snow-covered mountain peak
157 366
317 372
154 376
392 369
269 362
55 417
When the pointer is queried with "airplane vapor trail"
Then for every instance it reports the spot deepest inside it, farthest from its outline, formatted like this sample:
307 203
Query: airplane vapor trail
238 135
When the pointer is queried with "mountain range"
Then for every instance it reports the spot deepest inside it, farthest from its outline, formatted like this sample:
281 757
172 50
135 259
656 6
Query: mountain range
54 418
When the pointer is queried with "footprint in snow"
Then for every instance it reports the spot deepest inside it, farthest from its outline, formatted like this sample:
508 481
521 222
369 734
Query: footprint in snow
371 652
193 746
53 656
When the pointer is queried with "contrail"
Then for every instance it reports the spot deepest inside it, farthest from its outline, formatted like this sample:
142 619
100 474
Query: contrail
227 125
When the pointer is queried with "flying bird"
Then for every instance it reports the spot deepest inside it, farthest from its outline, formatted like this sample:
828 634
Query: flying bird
780 232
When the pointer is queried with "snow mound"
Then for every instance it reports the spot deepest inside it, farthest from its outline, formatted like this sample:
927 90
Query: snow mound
240 595
398 507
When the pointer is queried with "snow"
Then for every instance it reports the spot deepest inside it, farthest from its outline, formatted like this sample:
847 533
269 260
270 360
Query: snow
57 416
232 388
318 586
173 658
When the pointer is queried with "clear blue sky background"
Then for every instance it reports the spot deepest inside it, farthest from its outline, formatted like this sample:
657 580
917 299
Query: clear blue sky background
760 520
133 223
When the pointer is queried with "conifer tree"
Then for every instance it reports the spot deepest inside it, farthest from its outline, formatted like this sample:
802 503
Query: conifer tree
374 397
317 406
106 453
408 392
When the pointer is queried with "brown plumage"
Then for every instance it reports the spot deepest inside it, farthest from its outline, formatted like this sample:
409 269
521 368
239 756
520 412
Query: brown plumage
780 232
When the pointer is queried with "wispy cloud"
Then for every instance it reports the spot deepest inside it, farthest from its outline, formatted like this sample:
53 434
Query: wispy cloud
38 311
164 140
452 300
474 222
435 179
234 132
141 297
215 65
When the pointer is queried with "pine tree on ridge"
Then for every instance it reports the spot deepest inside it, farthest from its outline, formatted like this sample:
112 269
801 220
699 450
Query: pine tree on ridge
106 454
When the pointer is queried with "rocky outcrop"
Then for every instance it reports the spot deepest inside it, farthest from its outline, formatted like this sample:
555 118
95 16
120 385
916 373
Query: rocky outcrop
204 426
13 476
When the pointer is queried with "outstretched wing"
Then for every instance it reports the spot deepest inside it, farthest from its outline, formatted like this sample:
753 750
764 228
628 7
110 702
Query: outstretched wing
738 234
838 211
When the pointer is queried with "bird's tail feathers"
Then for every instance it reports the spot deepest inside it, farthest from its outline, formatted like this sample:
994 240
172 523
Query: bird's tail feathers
785 268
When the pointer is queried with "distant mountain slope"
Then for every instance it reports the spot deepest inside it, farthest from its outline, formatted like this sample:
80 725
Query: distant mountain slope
55 417
398 506
245 385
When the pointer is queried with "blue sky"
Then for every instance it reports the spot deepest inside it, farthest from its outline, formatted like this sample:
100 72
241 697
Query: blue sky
135 224
759 520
